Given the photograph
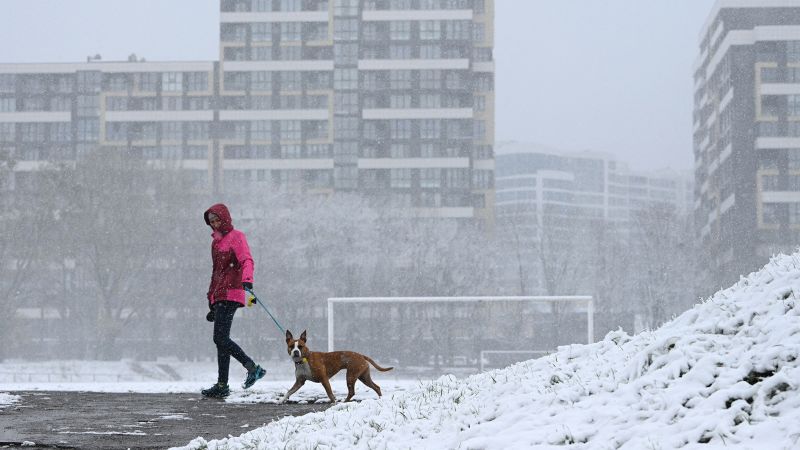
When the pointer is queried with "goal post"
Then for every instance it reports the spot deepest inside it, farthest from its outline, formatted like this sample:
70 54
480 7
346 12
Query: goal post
587 300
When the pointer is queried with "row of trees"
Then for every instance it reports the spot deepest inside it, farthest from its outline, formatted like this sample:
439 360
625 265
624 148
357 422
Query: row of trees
109 258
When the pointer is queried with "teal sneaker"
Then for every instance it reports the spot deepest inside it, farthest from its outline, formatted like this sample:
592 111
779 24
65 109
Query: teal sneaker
254 375
219 390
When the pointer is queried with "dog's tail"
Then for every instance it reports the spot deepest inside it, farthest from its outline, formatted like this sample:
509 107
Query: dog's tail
382 369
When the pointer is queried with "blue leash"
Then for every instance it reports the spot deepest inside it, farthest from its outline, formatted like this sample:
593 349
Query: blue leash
257 300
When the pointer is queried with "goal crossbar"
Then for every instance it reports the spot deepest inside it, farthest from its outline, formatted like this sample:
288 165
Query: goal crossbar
588 300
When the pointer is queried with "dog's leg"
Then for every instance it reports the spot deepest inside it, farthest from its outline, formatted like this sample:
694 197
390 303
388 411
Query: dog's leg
351 385
326 383
297 385
367 379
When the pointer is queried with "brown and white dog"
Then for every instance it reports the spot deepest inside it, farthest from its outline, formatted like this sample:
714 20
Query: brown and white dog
321 366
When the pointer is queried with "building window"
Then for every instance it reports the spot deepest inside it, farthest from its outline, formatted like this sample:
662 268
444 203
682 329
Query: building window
88 105
400 101
399 52
60 132
7 132
431 129
457 30
793 51
481 179
290 5
769 182
198 131
430 150
345 177
400 30
430 79
118 82
345 53
318 151
345 103
88 129
400 79
262 5
479 130
400 129
794 213
233 32
770 213
89 81
345 79
291 152
260 32
433 51
430 178
400 151
291 31
172 81
198 81
478 32
116 132
345 29
171 131
235 81
171 103
8 82
346 128
262 81
345 7
430 30
456 178
290 130
147 82
291 81
8 104
400 178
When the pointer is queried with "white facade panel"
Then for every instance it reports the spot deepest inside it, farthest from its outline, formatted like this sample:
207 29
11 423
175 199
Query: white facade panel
780 197
277 66
275 114
780 89
464 212
109 67
274 16
278 164
413 163
159 116
35 116
418 113
483 66
430 14
413 64
483 164
777 142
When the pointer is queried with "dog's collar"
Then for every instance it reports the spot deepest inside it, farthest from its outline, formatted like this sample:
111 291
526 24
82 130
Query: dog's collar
297 363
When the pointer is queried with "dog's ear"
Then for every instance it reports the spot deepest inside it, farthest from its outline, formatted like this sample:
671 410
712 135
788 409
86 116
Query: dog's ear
288 336
303 336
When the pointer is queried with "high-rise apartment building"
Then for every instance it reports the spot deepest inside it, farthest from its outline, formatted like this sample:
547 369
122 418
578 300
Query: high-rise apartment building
390 98
747 135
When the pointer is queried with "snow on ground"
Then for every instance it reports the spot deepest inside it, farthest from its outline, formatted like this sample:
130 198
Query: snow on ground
722 375
150 377
8 399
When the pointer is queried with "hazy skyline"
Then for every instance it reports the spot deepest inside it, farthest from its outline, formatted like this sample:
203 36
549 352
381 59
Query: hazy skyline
613 76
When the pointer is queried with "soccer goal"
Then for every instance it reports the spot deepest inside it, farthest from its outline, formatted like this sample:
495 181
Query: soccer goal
578 303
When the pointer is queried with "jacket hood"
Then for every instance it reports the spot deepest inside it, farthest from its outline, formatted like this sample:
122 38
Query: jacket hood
222 212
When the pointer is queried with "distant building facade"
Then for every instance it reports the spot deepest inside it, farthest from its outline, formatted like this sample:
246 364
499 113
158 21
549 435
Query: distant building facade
390 98
747 135
583 186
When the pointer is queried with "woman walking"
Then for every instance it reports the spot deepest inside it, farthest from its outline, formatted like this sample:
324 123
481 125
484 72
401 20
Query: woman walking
231 283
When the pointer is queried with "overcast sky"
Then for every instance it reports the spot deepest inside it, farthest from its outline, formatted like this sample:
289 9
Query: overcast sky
611 75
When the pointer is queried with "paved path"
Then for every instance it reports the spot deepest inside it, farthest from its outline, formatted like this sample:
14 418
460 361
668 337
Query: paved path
89 420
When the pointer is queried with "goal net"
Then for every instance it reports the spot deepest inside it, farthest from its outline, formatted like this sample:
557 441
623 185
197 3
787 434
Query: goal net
473 333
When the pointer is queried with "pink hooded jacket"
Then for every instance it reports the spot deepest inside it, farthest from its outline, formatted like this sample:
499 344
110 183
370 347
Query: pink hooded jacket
232 262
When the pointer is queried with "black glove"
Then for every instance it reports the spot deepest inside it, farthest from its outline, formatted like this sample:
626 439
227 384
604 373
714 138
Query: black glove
247 286
210 315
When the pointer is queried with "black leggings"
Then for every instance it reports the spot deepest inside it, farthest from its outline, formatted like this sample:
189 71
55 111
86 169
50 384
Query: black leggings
223 318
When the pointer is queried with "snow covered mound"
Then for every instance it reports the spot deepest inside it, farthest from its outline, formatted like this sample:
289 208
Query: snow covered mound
722 375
